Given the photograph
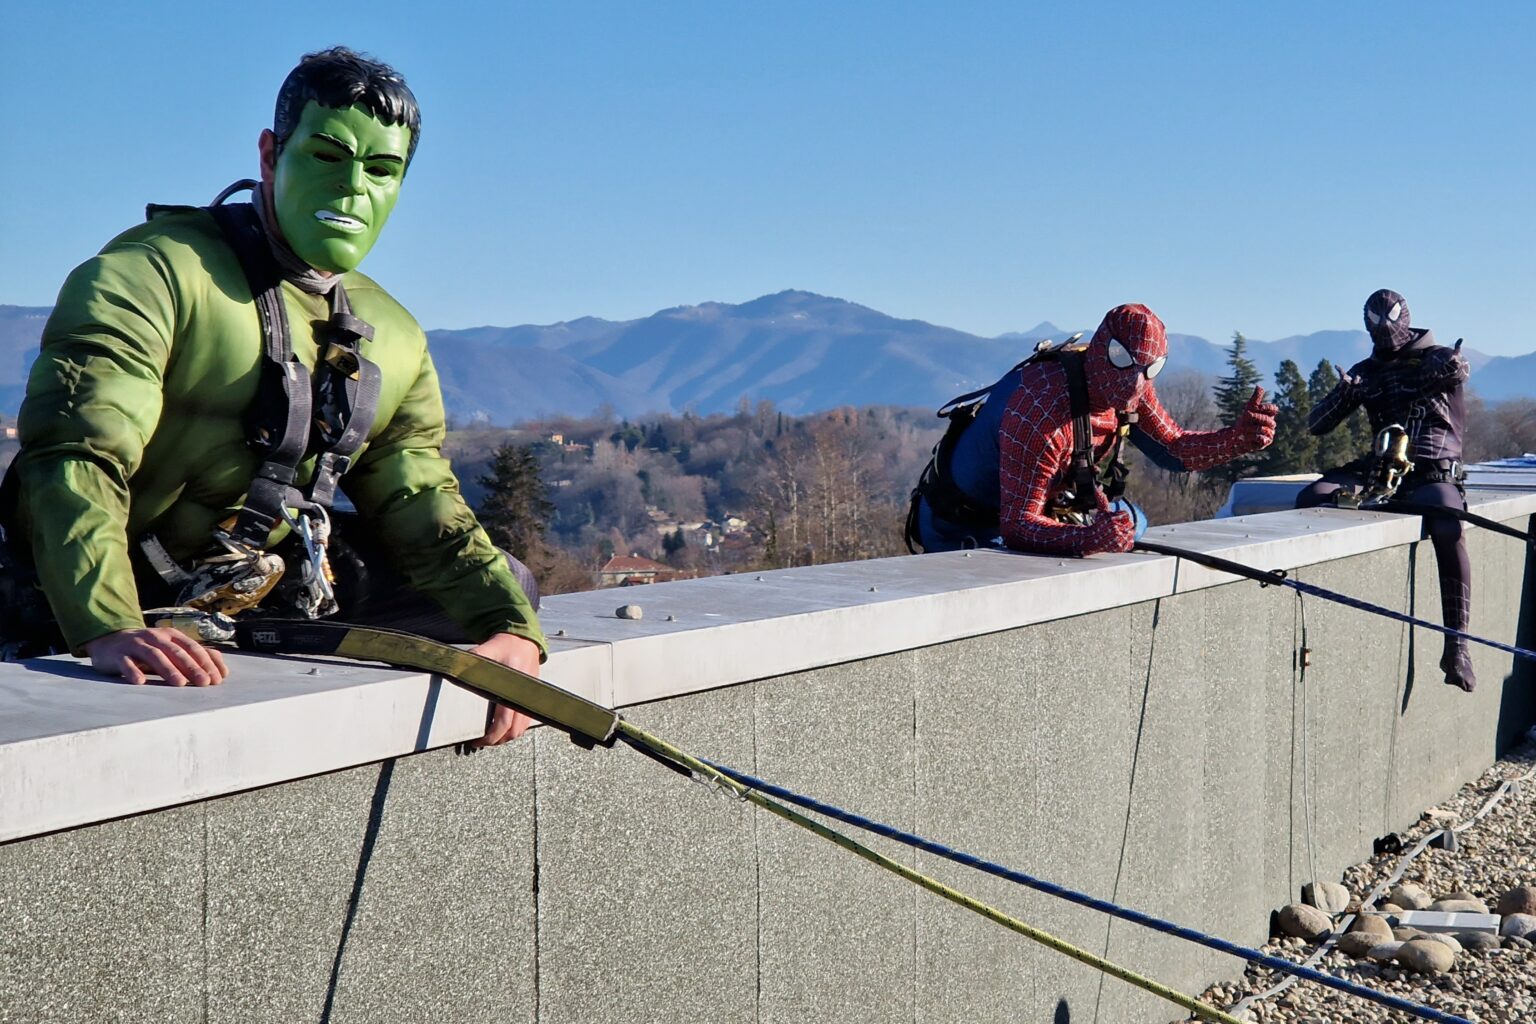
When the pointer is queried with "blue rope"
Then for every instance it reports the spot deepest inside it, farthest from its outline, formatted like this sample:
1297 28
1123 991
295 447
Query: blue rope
1276 577
1376 609
1083 899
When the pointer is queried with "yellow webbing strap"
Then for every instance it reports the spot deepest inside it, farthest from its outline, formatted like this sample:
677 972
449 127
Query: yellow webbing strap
635 734
559 707
544 701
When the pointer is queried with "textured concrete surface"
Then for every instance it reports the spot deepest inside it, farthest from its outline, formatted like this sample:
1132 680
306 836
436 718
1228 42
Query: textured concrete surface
105 924
977 731
378 894
648 895
1169 753
836 935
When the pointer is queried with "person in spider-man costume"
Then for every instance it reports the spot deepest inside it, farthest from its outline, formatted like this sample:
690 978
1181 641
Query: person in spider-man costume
1017 455
1410 380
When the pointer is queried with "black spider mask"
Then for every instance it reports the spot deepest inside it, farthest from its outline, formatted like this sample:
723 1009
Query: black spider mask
1386 320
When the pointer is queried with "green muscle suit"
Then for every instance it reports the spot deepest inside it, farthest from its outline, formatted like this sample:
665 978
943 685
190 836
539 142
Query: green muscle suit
133 424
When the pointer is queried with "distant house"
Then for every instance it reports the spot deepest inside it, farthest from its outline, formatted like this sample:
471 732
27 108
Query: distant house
631 570
568 448
698 534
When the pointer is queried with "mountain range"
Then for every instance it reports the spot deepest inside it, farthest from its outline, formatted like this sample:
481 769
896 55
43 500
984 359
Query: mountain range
804 352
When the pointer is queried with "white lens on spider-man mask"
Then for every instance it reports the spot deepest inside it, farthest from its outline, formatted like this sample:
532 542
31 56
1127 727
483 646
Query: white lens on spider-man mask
1120 358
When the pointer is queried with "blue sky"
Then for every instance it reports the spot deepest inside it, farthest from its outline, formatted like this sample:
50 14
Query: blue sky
980 165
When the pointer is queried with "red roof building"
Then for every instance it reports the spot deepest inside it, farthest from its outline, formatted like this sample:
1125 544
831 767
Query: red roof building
629 570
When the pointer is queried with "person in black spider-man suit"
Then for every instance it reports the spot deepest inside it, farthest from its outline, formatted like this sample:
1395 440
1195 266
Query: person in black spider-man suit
1410 380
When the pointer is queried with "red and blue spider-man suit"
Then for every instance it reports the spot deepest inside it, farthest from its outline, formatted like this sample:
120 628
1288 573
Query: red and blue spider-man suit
1035 435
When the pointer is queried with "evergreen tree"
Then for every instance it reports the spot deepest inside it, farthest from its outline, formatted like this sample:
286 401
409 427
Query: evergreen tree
1234 390
1232 394
1294 449
514 511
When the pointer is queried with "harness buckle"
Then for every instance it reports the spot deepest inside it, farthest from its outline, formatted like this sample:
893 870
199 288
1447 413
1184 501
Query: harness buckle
343 358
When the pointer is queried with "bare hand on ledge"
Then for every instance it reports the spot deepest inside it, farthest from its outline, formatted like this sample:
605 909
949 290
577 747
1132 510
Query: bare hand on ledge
156 651
514 652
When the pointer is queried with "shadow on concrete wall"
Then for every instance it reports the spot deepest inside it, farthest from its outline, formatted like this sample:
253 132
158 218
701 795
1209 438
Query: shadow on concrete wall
1409 673
1063 1011
370 840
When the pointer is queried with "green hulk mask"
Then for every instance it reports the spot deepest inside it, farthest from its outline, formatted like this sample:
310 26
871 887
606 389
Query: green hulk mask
334 183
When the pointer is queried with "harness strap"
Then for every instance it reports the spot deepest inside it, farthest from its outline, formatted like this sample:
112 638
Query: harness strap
347 394
1086 475
1083 473
278 422
294 413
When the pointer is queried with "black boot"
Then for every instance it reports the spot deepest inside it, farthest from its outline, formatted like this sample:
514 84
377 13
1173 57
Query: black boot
1456 663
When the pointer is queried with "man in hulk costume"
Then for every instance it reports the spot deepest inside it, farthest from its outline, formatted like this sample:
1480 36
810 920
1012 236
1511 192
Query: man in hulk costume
208 379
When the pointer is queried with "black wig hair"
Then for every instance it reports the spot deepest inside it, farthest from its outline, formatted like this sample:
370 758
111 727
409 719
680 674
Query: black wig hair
341 78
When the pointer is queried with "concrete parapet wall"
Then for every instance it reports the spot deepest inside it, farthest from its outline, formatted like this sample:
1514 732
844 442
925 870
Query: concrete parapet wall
1134 727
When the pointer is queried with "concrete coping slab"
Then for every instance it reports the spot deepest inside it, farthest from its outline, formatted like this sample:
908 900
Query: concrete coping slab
76 748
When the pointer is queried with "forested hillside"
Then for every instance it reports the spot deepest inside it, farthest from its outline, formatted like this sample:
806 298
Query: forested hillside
761 489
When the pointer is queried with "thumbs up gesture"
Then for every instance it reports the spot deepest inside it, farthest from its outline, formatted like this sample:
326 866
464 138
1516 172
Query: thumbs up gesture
1256 424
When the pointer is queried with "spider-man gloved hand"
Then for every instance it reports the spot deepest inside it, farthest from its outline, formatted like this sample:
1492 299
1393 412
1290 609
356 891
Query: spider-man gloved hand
1255 426
1349 382
1443 369
1109 531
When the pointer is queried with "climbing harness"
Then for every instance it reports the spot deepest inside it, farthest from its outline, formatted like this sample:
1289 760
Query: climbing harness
1389 466
1278 577
1086 475
228 582
590 724
1077 502
328 413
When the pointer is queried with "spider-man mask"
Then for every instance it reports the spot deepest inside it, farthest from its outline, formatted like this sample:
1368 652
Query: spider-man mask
1386 319
1129 349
